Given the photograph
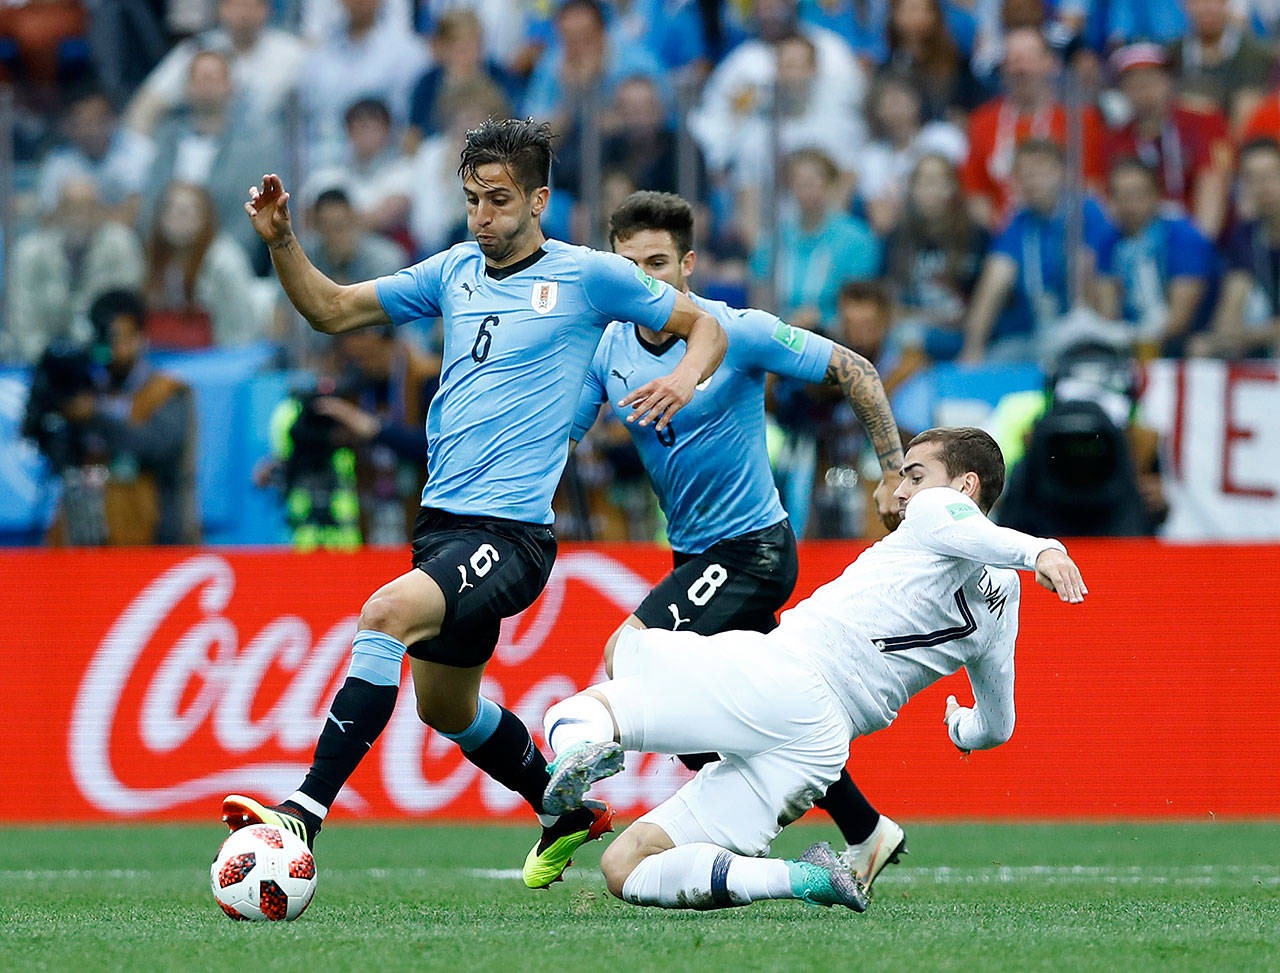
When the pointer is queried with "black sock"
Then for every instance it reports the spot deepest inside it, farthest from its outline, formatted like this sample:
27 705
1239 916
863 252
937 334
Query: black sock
357 717
852 813
510 757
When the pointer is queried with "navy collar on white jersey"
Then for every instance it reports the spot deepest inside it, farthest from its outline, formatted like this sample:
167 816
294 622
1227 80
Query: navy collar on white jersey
502 273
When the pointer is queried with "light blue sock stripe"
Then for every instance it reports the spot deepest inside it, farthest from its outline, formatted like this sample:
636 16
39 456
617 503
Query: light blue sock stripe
488 713
376 658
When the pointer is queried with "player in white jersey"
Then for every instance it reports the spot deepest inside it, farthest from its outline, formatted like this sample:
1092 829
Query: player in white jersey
937 595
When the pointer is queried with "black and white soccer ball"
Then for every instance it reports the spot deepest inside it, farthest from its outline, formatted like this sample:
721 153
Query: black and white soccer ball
263 873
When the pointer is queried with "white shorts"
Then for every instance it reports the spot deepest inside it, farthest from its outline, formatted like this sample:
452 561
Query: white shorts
783 734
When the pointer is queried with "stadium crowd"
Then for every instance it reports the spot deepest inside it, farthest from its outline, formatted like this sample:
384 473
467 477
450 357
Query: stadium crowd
1082 184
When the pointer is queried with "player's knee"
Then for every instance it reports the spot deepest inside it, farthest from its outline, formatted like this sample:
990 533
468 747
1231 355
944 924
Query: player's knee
382 613
617 863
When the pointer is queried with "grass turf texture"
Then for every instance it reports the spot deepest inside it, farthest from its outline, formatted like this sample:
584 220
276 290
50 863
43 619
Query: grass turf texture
973 896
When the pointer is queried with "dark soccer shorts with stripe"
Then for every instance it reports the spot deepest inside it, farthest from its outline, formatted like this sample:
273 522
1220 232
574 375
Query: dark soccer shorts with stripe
489 569
737 584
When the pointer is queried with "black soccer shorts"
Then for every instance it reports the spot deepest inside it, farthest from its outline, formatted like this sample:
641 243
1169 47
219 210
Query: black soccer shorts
489 569
736 584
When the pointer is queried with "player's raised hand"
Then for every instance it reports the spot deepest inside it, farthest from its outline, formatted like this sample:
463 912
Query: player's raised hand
1058 573
268 208
657 401
886 503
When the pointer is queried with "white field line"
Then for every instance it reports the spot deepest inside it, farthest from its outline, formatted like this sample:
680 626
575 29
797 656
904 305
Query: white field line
1261 874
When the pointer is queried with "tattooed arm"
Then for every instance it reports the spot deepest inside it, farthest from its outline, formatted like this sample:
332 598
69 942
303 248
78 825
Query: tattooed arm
858 379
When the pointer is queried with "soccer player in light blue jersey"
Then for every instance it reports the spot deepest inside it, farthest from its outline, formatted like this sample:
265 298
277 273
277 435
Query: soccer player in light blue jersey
522 318
733 549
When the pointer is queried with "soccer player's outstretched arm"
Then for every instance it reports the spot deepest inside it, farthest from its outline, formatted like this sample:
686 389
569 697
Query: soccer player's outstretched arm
858 379
329 307
949 522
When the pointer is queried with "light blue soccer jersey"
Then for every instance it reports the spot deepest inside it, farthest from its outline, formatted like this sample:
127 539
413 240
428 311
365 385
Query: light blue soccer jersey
517 344
709 467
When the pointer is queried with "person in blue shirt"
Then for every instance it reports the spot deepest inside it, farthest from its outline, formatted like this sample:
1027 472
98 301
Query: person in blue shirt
733 549
1023 290
1161 274
522 317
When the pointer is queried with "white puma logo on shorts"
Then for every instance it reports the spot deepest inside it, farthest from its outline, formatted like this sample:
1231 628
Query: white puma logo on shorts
465 583
676 615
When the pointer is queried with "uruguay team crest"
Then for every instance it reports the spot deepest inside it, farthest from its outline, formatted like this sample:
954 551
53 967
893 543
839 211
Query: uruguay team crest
544 296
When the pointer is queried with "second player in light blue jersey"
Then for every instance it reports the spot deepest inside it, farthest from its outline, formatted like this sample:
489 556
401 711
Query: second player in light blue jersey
733 548
522 318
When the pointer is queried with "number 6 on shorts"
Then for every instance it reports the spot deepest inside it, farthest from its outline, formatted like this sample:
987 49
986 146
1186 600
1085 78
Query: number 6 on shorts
482 560
708 584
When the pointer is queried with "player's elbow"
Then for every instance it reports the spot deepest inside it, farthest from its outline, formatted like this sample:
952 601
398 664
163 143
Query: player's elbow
994 734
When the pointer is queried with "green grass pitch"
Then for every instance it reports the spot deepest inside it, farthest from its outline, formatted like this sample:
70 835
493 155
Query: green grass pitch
968 897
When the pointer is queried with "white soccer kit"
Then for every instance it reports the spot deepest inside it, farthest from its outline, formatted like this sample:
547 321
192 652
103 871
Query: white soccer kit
935 596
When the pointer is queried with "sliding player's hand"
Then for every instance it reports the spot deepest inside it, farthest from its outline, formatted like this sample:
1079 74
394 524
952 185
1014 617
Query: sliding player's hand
952 705
657 401
268 208
1058 573
886 503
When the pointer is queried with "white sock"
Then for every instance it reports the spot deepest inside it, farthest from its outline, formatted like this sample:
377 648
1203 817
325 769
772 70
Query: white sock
578 719
308 804
705 876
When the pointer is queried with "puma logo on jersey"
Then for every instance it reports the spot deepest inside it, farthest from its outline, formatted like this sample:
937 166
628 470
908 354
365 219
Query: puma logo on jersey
624 379
471 292
465 583
676 615
342 724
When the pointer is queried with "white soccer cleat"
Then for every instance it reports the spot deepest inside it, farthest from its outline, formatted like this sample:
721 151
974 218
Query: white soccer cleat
882 847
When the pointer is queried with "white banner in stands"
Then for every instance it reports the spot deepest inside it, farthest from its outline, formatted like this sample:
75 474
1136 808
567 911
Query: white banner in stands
1219 423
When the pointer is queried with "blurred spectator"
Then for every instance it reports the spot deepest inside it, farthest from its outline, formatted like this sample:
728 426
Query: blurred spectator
458 47
1028 107
821 89
38 29
582 71
438 212
820 246
674 30
1028 264
199 285
1080 464
121 439
898 142
1189 150
923 51
212 142
365 59
321 19
933 258
646 148
265 66
1247 320
1162 269
373 174
57 272
847 467
1217 62
97 148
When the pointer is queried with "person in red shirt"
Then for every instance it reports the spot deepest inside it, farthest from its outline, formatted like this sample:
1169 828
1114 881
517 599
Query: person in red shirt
1189 149
1027 108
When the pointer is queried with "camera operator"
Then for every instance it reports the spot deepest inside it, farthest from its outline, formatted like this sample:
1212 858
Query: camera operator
350 455
118 433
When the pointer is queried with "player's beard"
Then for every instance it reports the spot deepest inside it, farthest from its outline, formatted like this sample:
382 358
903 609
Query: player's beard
501 248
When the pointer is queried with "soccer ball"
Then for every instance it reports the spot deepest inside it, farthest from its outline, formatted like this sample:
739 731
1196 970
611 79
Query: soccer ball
263 873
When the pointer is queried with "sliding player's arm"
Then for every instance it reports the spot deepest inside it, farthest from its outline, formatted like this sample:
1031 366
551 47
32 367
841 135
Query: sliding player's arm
329 307
858 379
989 721
949 522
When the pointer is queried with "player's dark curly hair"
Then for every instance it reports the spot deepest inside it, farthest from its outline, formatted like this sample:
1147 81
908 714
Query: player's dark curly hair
965 449
522 145
648 210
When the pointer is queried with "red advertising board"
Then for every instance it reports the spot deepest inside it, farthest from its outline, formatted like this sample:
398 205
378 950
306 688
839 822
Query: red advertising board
149 683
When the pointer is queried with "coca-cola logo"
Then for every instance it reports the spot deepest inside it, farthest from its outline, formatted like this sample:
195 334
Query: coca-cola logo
193 693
